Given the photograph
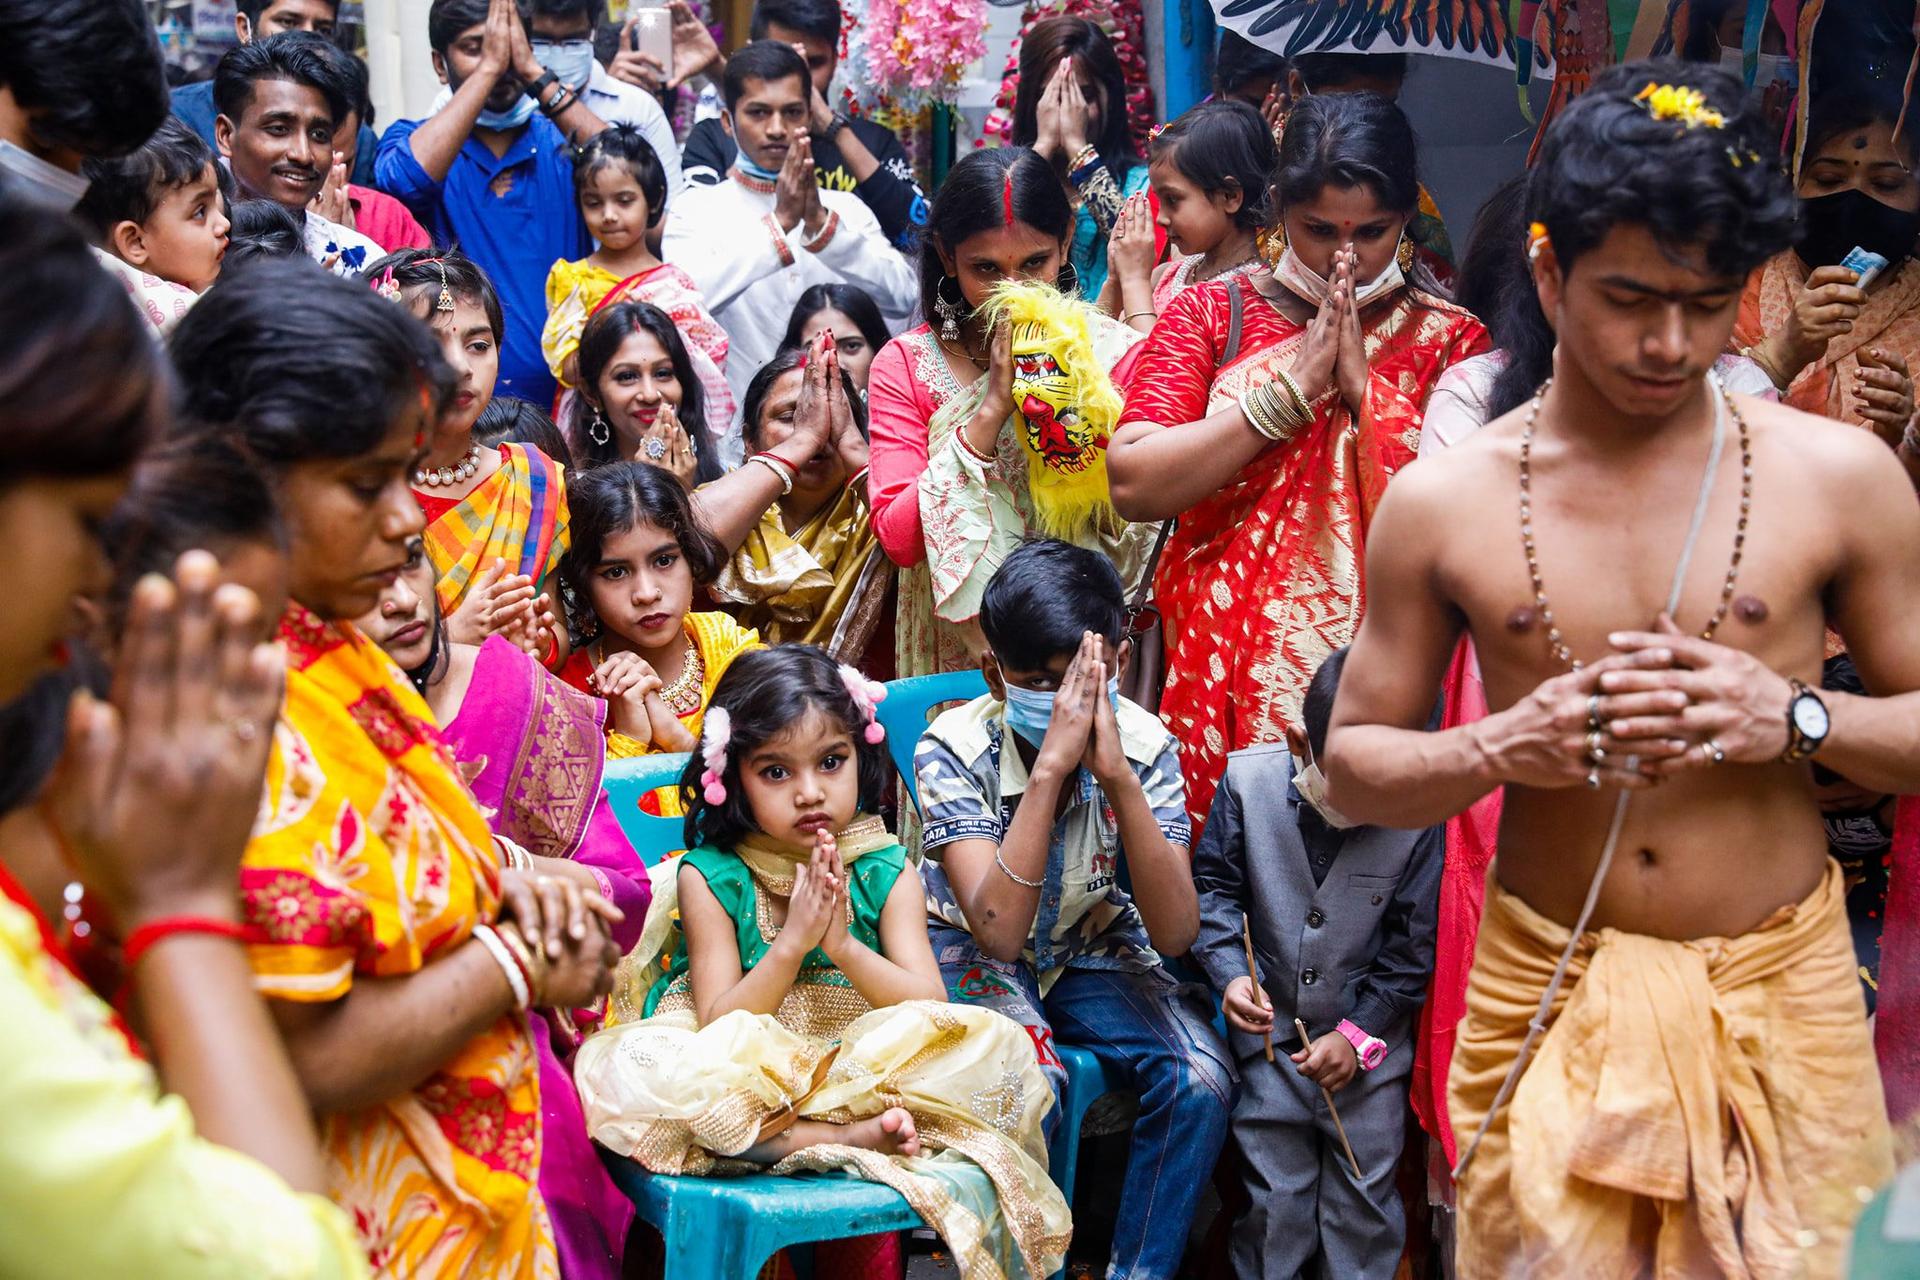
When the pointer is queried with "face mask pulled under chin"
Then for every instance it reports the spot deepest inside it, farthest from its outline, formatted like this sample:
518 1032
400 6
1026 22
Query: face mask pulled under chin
512 118
1029 713
25 174
1312 786
1303 280
1832 225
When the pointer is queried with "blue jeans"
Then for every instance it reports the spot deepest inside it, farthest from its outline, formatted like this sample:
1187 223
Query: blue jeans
1148 1029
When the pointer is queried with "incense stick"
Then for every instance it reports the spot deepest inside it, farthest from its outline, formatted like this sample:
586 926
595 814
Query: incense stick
1253 974
1332 1110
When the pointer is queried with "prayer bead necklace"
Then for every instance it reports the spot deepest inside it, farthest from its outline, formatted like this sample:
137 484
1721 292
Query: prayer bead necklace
1555 639
440 477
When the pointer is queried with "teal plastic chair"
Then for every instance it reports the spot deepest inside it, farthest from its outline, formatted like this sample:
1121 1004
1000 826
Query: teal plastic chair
726 1228
910 704
653 838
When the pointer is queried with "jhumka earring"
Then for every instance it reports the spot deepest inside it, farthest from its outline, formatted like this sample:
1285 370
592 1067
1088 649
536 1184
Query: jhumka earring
949 312
1404 254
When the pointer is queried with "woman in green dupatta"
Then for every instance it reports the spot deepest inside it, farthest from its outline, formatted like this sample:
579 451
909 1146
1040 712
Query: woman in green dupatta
950 466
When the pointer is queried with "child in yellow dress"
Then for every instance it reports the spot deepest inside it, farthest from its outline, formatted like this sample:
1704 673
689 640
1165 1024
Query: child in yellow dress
800 1021
622 192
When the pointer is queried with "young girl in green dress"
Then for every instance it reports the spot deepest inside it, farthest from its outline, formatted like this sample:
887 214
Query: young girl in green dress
799 1021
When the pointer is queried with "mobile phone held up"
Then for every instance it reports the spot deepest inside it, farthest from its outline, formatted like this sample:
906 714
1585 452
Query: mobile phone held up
653 34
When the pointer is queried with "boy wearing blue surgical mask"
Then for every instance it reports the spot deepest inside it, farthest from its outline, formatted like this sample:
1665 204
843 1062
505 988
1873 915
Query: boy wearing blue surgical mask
1041 798
1341 919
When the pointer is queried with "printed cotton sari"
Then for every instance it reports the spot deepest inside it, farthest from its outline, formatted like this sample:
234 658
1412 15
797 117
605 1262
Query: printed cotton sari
518 514
370 860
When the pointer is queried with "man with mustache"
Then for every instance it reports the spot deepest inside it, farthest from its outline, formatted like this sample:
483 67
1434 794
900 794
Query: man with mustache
279 99
492 170
256 20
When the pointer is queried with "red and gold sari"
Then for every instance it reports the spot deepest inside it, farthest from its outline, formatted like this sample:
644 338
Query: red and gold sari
370 859
1264 579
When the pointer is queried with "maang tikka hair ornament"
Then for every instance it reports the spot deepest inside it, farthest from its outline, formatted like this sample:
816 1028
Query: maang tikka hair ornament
715 733
867 695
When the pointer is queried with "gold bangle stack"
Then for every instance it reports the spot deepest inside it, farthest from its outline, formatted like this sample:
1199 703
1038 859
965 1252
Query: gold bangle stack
1277 409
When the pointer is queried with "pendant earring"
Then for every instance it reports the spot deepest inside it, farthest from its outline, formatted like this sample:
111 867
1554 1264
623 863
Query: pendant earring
1404 254
598 431
949 312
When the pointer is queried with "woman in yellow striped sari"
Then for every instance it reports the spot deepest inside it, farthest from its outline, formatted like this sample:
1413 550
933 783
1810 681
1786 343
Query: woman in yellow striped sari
399 955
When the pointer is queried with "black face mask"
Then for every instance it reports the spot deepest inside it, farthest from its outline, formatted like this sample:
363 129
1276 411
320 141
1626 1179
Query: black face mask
1831 226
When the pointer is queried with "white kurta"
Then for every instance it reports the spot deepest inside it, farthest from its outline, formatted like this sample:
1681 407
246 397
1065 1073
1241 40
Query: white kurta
726 238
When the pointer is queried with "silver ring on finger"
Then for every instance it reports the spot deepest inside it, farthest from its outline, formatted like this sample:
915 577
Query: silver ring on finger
1593 713
1593 779
656 448
1712 750
1595 754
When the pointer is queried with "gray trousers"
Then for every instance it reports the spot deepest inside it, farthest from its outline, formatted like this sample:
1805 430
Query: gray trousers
1306 1202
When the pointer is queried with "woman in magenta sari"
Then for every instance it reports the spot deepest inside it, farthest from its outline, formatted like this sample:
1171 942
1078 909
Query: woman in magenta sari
533 750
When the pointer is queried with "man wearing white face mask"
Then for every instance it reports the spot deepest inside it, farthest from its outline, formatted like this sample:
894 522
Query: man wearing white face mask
562 34
1342 921
1036 794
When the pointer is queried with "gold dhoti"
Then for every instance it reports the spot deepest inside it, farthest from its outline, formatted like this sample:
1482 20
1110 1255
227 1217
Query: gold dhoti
1699 1108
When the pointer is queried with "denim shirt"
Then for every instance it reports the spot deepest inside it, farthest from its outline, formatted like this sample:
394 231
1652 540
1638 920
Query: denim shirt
970 784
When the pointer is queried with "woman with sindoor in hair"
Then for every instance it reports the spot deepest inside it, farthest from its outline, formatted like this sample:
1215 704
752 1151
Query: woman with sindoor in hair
401 954
950 475
1274 452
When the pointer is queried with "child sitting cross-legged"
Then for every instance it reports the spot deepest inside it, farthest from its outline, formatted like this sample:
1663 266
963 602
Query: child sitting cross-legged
1035 795
160 220
1342 922
800 1022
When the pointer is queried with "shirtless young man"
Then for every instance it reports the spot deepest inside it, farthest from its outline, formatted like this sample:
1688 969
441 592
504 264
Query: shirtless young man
1705 1100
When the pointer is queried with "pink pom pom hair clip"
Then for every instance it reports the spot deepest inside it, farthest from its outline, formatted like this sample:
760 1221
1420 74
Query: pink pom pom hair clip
867 695
715 733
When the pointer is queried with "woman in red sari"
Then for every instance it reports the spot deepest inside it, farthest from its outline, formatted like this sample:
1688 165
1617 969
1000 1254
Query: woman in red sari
1268 413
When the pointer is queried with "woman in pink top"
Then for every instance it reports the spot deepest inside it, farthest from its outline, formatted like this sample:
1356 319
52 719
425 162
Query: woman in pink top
947 472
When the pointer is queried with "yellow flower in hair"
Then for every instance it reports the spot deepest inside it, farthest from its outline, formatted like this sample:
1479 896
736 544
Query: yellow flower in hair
1678 102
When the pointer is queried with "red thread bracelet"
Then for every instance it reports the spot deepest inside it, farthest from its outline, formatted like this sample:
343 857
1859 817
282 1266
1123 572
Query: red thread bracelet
142 940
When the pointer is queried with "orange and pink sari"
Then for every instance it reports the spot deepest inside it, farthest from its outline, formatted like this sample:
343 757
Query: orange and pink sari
370 859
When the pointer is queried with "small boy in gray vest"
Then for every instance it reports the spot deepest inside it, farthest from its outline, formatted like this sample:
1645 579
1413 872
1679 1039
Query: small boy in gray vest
1342 921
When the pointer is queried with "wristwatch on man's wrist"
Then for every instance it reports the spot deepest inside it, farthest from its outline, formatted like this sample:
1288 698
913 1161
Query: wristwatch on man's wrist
841 120
1371 1050
1807 723
539 85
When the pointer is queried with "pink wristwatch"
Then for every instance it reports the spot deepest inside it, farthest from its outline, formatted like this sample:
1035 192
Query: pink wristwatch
1370 1049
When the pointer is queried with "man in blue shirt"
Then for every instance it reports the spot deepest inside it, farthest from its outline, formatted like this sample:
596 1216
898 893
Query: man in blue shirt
258 19
487 173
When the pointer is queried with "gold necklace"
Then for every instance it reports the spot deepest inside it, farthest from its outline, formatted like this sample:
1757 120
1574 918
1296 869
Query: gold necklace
1555 640
683 695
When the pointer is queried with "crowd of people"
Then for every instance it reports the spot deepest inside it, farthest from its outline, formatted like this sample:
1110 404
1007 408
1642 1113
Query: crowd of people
1444 720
